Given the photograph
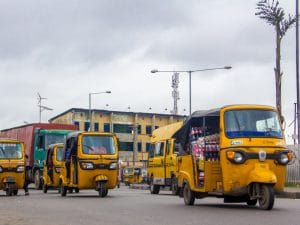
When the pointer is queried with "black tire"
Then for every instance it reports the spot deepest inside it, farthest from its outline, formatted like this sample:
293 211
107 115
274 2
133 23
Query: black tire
45 188
37 180
188 195
9 192
154 189
266 197
252 202
63 190
76 190
102 189
174 186
15 192
70 190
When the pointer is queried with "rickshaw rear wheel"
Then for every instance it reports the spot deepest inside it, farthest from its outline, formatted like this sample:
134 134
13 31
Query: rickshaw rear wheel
76 190
174 187
63 190
267 197
71 190
252 202
45 188
15 192
154 189
188 195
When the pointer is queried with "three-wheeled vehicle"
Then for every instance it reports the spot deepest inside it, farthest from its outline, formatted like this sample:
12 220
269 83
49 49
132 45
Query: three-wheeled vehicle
12 166
91 162
132 175
237 152
52 166
162 162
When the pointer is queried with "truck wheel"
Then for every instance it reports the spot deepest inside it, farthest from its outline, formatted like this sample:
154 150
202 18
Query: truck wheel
188 195
37 180
154 189
266 197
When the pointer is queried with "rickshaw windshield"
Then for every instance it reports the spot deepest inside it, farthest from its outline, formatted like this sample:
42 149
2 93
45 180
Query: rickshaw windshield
98 145
60 154
128 170
10 151
252 123
54 138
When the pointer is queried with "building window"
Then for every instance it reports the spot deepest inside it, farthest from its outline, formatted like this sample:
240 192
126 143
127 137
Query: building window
106 127
76 123
139 129
148 129
126 146
139 146
86 126
148 147
123 128
96 126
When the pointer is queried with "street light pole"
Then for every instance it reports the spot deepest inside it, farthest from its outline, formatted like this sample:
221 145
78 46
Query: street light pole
190 78
90 106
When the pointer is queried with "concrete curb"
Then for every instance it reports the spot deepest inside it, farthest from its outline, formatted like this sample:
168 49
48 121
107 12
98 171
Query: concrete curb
291 195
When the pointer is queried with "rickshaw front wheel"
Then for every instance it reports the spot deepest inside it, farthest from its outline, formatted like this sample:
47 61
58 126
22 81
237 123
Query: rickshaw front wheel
266 197
15 192
102 189
188 195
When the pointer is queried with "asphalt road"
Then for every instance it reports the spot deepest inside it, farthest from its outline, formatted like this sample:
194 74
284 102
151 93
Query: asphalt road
130 207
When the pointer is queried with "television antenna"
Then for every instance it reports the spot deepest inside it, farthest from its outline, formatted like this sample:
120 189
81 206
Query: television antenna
41 107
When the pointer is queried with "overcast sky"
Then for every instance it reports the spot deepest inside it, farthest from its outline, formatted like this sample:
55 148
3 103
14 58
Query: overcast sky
66 49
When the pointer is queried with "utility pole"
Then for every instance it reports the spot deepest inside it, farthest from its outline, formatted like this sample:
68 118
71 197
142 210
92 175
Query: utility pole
297 71
175 92
41 107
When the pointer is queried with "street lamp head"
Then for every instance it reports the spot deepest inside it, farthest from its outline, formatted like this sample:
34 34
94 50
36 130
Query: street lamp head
154 71
227 67
108 92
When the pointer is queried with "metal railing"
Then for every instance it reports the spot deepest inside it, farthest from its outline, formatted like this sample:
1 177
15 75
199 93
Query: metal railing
293 169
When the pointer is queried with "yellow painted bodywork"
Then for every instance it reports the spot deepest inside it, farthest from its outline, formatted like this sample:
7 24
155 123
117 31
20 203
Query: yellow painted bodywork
88 178
132 177
162 167
57 166
228 178
8 167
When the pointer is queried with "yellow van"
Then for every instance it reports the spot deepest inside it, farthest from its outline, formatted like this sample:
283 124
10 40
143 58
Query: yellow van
162 159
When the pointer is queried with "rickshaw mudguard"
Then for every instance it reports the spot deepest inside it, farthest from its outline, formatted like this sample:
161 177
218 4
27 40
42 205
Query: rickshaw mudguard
261 174
9 180
101 178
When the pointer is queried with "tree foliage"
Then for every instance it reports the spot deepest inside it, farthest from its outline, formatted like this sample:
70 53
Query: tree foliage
274 15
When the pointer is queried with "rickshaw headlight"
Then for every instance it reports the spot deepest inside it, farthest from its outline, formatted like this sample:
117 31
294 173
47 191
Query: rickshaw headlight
235 156
284 158
87 165
20 169
113 166
57 169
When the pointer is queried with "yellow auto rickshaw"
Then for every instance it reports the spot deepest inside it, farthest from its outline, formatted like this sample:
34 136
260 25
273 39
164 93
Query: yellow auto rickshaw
236 152
91 162
52 166
12 166
132 175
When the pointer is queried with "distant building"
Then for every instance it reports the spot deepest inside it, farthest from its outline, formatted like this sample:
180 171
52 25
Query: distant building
133 129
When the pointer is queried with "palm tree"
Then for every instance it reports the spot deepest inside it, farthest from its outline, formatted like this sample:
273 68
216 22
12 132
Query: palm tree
274 15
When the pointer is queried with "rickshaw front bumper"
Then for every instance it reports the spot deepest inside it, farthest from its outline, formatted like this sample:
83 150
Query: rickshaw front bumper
101 178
